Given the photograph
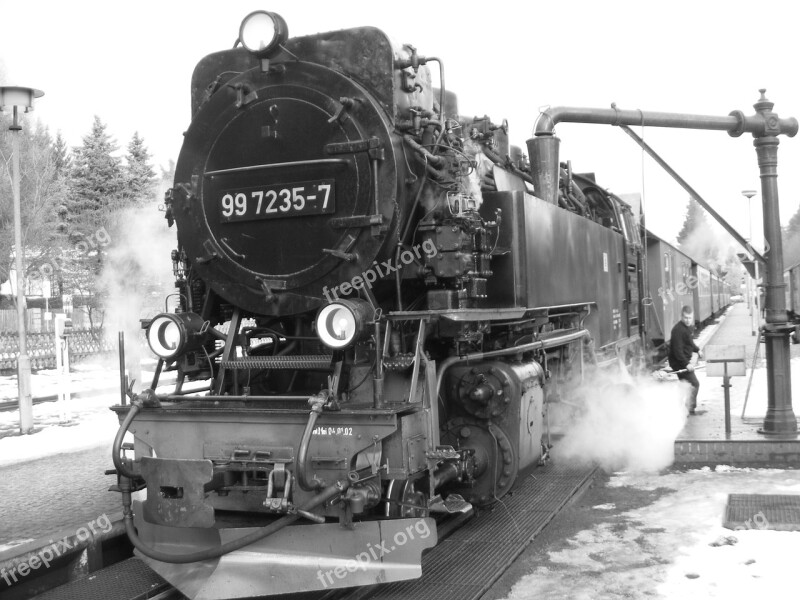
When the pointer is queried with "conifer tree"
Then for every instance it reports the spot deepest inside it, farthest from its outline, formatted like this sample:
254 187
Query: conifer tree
41 191
96 185
139 174
96 182
791 241
697 239
61 156
695 220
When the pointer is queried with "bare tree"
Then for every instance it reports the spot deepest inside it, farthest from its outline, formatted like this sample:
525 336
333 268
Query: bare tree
41 192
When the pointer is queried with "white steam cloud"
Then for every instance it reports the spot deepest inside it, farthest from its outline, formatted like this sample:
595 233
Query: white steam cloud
137 276
623 424
712 247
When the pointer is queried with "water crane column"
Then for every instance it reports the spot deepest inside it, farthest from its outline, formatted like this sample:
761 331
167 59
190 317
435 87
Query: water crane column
765 126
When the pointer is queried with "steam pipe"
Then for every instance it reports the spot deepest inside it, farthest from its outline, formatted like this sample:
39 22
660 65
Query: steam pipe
298 329
432 159
301 472
538 345
157 374
123 380
543 147
181 396
736 123
116 448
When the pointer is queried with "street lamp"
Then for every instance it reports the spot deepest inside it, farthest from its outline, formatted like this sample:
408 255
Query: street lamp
753 296
20 97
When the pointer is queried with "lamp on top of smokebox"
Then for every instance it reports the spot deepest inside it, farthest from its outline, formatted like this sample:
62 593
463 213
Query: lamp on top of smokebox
15 97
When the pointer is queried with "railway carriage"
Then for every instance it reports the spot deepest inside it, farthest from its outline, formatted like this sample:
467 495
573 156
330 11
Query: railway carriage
669 283
703 304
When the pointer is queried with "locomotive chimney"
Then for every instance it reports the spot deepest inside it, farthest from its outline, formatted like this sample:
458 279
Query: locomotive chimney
543 151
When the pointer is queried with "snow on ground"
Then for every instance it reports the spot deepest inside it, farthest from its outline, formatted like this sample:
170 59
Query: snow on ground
663 550
97 426
82 423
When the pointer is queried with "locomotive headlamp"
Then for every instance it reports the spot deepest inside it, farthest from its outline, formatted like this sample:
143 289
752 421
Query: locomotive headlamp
262 32
343 322
173 334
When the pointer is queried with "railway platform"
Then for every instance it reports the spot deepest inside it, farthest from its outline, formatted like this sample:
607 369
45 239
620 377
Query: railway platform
704 441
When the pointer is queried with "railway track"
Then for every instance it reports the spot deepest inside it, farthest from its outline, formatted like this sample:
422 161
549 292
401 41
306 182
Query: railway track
471 555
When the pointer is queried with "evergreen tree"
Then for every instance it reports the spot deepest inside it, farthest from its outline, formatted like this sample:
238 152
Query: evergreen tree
168 175
41 192
793 228
699 240
791 240
139 173
695 220
96 182
96 188
61 154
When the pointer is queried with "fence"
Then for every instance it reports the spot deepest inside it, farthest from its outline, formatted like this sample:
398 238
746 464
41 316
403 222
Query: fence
37 321
42 352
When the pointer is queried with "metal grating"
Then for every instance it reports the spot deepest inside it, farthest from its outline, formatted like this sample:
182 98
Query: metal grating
130 579
778 512
473 557
292 361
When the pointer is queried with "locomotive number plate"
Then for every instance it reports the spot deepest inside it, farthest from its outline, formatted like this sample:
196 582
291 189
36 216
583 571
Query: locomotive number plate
276 201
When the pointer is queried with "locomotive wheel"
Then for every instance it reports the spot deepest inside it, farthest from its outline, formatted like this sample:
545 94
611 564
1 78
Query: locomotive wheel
404 500
496 461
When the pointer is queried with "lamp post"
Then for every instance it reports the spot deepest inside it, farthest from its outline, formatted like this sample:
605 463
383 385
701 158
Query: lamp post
752 295
15 98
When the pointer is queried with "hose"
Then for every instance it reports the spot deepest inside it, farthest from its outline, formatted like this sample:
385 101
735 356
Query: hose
329 492
116 449
538 345
301 473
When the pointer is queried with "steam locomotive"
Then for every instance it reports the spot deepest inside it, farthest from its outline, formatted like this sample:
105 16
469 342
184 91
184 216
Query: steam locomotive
378 296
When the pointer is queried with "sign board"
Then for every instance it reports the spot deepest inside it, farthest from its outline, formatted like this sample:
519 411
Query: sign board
717 357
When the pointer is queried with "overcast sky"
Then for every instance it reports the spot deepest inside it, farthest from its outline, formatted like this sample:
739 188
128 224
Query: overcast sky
130 63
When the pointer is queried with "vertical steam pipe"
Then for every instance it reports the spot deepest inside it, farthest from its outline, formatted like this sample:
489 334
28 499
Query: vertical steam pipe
377 380
123 384
543 151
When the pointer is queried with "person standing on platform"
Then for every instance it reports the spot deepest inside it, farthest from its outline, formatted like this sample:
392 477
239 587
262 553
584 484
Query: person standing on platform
681 348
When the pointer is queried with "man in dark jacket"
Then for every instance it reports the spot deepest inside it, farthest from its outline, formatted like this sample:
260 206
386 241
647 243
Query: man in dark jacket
681 347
